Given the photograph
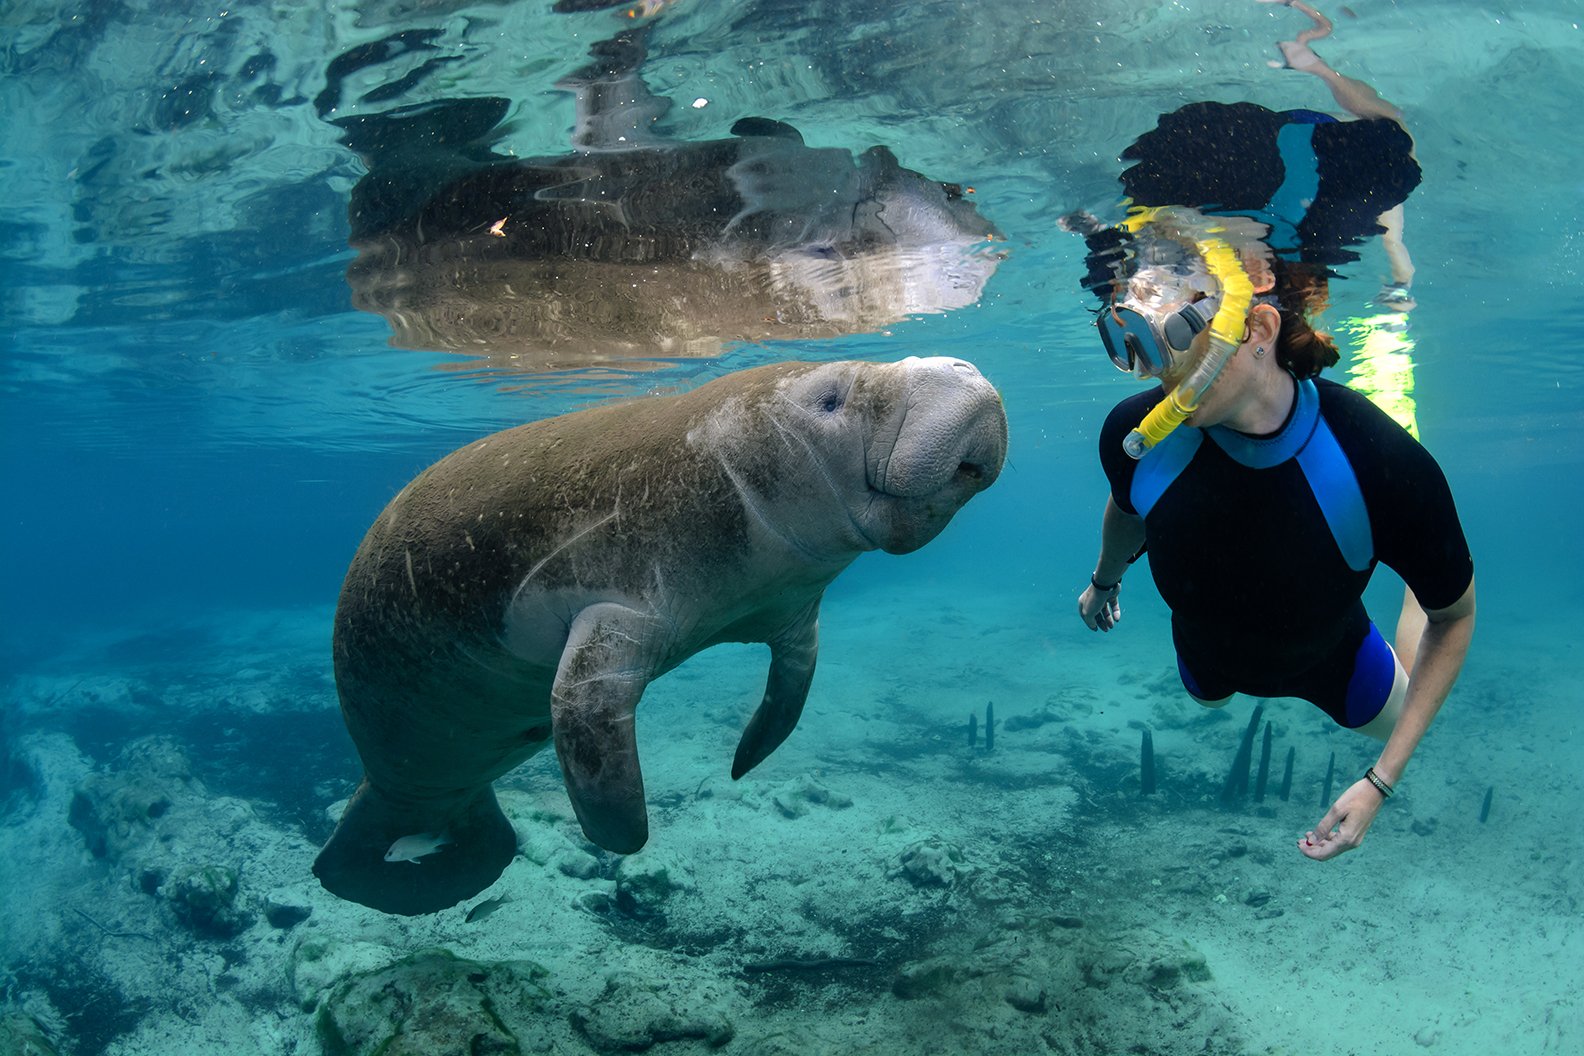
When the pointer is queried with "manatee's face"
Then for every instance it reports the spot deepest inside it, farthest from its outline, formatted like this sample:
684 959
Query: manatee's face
898 448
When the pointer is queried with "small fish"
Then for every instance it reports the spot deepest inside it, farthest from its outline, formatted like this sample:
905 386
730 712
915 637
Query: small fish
412 848
486 907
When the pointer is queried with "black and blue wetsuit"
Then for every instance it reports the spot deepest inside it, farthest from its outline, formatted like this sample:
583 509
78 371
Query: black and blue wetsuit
1262 546
1320 184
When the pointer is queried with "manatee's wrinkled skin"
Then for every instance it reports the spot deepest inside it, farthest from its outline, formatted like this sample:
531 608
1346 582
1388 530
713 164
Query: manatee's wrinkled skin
529 586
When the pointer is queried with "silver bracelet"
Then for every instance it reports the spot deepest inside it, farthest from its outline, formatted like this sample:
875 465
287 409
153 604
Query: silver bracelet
1379 782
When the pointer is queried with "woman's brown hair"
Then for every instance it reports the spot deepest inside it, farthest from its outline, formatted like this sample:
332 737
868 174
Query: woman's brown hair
1302 291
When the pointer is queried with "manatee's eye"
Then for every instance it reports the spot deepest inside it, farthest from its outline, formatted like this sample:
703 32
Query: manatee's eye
830 401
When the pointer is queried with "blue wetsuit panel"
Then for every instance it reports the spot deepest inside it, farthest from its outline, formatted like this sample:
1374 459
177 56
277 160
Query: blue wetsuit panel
1299 187
1160 466
1336 489
1351 684
1306 437
1374 675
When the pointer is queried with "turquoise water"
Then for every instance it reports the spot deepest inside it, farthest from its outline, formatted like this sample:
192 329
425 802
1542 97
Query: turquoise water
199 425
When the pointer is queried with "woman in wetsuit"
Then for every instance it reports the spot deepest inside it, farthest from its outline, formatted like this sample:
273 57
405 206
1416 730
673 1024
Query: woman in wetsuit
1265 517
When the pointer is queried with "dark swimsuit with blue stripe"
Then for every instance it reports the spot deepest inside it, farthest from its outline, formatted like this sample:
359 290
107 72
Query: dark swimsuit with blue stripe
1321 184
1262 546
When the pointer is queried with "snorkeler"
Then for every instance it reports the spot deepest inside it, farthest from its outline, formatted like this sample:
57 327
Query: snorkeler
1264 495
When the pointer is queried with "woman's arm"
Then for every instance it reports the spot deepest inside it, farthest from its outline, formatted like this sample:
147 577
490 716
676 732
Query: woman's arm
1362 101
1121 537
1443 644
1433 668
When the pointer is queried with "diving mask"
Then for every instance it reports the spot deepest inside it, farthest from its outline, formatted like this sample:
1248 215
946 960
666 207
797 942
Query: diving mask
1144 342
1147 342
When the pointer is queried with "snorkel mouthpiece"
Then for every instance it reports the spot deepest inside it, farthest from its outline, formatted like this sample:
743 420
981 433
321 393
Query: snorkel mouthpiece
1226 329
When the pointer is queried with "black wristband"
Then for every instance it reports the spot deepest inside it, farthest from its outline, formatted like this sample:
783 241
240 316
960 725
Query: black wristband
1101 587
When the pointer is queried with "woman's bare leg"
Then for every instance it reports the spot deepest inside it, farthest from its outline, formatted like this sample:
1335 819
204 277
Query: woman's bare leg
1354 96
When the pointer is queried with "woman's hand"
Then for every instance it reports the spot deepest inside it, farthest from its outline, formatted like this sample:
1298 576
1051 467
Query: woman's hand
1345 824
1395 297
1099 609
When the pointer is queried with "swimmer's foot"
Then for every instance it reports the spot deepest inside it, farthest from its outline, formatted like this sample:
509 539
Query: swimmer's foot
1296 53
1395 297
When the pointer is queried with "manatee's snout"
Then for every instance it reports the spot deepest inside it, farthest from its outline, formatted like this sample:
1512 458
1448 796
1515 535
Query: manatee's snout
943 443
983 442
951 434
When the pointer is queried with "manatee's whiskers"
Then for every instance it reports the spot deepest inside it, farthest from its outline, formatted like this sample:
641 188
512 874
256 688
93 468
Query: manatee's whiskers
794 442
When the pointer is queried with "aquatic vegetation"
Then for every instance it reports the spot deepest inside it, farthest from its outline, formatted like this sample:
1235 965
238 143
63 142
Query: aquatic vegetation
429 1003
931 862
204 897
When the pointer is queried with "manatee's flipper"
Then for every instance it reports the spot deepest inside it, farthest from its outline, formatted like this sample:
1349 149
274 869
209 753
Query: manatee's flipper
412 152
792 656
353 866
765 126
615 110
603 671
445 126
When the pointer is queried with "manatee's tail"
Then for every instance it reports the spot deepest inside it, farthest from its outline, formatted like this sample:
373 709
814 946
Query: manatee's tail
353 866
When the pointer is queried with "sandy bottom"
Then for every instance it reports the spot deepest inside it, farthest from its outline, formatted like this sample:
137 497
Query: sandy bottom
877 886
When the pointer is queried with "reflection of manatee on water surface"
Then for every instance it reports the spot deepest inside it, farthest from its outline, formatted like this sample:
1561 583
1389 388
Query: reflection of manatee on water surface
526 589
632 245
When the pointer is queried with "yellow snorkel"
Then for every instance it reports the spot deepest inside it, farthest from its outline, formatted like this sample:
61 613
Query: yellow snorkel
1226 329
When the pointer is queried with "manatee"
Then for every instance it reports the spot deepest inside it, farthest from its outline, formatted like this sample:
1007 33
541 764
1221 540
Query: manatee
635 245
525 589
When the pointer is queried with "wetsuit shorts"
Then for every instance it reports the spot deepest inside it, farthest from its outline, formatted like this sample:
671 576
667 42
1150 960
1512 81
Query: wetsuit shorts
1351 685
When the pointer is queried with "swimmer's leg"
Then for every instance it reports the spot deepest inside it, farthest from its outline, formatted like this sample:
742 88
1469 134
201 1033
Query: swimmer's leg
1354 96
